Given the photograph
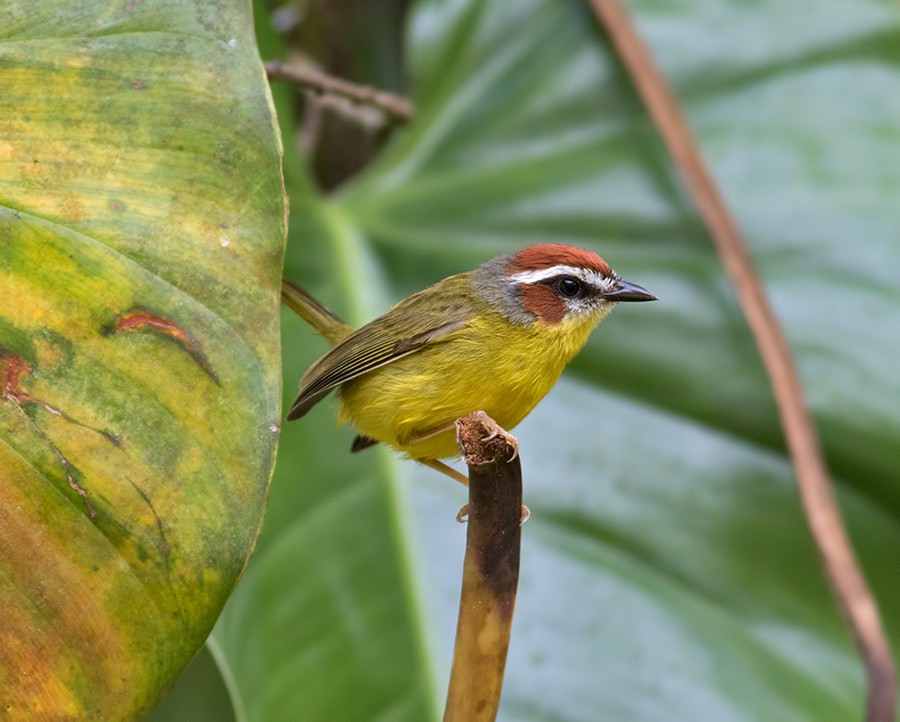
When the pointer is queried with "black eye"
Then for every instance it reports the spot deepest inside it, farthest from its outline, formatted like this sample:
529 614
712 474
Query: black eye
568 287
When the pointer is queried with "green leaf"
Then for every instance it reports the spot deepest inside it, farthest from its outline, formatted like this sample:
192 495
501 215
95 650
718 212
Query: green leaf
667 570
141 233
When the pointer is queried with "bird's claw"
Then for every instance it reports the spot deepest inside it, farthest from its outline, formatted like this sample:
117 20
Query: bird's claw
462 516
510 439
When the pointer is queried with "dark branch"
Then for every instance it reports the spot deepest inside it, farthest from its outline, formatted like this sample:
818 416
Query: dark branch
395 106
490 570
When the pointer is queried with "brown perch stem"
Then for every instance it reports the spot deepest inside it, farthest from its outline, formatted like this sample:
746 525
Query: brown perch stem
490 570
395 106
843 572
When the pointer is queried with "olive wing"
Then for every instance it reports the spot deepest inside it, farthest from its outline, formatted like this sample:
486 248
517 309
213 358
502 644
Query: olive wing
365 350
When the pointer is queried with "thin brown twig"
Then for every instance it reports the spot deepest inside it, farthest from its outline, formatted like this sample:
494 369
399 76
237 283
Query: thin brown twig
848 584
490 569
395 106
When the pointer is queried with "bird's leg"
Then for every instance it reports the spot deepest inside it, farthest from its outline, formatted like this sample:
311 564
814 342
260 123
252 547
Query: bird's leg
434 463
463 514
429 433
444 469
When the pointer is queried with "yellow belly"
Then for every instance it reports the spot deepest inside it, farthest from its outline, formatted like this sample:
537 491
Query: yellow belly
495 366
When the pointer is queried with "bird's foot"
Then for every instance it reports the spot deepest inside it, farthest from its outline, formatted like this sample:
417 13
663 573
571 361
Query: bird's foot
498 431
462 516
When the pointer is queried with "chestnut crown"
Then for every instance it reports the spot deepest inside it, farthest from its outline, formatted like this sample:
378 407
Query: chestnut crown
551 282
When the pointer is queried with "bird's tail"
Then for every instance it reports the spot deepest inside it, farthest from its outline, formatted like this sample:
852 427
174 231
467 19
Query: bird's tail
325 323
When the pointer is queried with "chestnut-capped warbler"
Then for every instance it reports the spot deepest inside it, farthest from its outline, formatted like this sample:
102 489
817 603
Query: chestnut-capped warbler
494 339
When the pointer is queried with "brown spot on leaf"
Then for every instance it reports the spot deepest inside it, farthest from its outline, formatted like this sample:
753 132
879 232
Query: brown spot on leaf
72 207
13 369
139 319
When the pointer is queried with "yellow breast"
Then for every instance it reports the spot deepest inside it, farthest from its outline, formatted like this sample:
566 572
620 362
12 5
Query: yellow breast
493 365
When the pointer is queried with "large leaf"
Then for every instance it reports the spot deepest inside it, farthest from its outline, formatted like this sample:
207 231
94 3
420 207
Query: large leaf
141 232
667 571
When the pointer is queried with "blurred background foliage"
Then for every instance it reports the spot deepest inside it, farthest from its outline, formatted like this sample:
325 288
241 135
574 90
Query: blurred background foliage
667 570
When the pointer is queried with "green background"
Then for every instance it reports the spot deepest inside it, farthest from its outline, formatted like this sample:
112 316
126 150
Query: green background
667 570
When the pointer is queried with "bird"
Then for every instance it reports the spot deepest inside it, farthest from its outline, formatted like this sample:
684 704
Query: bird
494 339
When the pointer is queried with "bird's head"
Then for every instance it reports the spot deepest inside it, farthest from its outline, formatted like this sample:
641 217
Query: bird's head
554 283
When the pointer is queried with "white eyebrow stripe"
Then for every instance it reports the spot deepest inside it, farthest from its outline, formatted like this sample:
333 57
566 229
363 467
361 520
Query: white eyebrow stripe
604 283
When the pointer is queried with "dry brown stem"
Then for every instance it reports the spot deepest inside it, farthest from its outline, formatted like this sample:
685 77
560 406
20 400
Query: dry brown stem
847 581
490 570
395 106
